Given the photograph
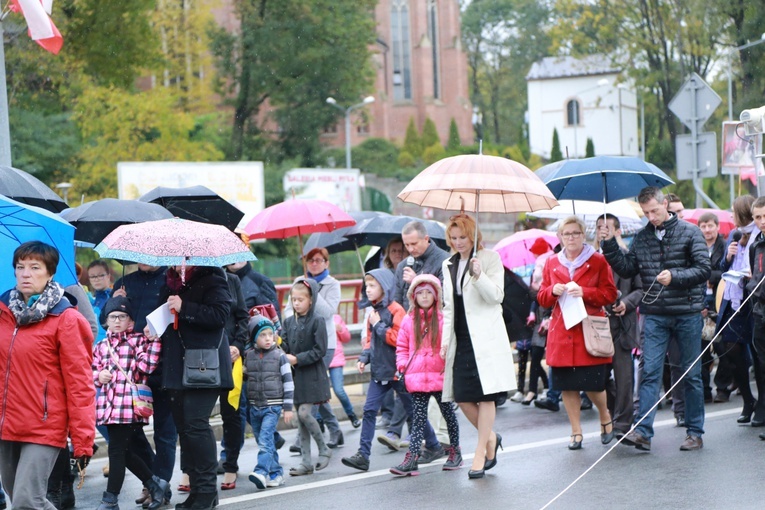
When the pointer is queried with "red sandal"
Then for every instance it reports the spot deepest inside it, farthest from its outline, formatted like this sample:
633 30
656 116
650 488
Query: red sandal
228 486
184 488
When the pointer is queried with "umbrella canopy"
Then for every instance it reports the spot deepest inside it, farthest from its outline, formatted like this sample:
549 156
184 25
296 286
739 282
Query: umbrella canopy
601 178
196 203
380 230
174 242
515 254
297 217
23 187
95 220
726 218
478 183
589 212
20 223
335 241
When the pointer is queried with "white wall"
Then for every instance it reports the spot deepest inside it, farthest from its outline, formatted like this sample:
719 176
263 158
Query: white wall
600 105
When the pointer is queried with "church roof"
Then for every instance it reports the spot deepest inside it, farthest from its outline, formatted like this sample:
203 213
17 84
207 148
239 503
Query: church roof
567 67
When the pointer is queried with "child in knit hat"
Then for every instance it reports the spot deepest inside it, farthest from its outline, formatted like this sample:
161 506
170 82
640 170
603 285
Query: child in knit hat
269 391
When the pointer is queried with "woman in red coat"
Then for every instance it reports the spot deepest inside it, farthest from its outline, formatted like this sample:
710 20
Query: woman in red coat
581 272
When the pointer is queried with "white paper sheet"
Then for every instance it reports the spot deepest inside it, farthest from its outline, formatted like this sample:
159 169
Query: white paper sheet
734 277
160 319
572 308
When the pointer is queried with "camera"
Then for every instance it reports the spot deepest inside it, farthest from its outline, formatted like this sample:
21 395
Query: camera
753 120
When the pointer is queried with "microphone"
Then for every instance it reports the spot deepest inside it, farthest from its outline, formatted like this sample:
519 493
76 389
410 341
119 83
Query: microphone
737 236
409 261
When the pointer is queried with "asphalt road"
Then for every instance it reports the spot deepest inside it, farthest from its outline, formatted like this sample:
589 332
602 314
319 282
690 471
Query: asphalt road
533 469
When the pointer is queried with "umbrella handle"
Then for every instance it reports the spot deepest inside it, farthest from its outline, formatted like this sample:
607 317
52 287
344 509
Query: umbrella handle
175 319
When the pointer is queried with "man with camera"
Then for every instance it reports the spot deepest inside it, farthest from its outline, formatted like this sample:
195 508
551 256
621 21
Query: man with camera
623 319
672 260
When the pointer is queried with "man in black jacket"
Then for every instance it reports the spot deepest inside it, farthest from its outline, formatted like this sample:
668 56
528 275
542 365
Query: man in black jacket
757 264
672 260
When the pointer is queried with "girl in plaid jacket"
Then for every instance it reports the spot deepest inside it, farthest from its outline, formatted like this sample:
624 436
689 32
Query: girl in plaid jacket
122 353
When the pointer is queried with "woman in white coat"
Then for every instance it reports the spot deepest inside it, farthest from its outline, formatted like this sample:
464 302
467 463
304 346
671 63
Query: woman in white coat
479 361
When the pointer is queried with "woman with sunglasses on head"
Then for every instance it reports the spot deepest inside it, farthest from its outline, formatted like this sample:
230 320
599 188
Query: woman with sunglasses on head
479 361
579 271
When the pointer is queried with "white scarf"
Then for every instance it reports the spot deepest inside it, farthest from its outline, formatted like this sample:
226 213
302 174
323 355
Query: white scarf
573 265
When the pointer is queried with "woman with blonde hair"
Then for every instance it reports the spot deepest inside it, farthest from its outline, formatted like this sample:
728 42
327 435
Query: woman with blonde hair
479 361
579 271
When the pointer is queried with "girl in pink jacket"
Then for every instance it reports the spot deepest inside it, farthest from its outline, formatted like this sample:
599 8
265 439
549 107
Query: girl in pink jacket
419 362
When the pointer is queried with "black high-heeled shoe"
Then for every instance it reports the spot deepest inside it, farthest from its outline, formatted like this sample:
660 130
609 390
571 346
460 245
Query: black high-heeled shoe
490 463
528 400
746 413
607 437
479 473
574 444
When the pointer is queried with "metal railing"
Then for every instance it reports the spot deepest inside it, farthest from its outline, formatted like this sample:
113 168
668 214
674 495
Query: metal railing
348 308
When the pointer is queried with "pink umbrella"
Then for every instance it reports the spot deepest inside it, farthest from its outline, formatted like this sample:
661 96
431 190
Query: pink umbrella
174 242
514 250
726 218
296 217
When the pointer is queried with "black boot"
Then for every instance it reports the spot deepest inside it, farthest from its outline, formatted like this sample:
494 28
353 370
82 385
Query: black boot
157 489
67 495
354 420
109 502
188 503
54 496
205 501
336 440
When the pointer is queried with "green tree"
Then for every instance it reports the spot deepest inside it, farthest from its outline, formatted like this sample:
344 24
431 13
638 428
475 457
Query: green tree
433 153
589 149
454 141
295 54
412 141
377 156
429 133
555 153
120 126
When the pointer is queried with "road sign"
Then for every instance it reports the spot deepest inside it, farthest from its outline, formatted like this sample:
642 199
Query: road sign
706 150
706 101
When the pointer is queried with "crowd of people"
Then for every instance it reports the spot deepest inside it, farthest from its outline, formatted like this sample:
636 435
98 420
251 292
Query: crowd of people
436 332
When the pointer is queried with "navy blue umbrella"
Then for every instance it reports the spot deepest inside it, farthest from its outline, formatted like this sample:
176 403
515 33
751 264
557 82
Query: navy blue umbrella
601 178
96 220
379 231
335 241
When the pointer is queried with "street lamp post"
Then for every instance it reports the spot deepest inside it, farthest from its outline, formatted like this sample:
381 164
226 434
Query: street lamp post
730 107
347 112
64 187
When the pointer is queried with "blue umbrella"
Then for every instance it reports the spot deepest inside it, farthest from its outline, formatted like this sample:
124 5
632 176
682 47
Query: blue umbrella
20 223
601 178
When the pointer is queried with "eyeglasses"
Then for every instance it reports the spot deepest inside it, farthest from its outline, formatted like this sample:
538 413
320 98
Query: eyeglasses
315 261
97 276
571 235
118 318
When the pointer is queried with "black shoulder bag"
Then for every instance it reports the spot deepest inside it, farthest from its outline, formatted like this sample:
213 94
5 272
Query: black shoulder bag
201 367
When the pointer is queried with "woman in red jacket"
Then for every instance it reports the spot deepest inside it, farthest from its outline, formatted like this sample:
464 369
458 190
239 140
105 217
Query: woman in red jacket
581 272
46 386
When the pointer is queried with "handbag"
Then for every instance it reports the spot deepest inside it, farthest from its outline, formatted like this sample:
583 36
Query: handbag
143 399
201 367
597 336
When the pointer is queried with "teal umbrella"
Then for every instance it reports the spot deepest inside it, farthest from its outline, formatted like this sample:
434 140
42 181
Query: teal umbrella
20 223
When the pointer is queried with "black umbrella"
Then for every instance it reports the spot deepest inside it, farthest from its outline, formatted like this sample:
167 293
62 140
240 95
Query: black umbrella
28 189
335 241
379 231
196 203
95 220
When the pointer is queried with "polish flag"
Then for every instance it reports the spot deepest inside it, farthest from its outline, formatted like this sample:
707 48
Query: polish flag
41 27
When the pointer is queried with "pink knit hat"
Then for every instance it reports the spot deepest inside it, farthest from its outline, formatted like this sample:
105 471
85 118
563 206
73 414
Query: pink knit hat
425 281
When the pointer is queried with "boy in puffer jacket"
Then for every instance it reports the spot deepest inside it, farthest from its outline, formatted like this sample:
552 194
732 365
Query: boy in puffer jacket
379 351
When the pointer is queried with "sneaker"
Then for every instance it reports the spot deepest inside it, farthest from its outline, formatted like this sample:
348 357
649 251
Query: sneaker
258 479
429 455
691 443
406 468
722 396
357 461
382 423
638 441
391 440
455 458
276 481
517 397
680 419
404 443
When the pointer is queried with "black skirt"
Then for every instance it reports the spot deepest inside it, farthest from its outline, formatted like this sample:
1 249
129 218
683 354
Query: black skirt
587 378
466 382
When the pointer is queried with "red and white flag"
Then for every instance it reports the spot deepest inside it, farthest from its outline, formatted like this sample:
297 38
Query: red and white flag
41 27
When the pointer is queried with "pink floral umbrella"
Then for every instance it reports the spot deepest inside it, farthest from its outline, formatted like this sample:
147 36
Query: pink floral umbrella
174 242
297 217
514 250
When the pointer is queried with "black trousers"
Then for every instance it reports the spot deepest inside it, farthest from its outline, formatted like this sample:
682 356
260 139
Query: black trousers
232 433
535 370
191 414
121 456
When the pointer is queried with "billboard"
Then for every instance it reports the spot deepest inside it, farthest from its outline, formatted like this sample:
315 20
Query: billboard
241 183
739 152
339 187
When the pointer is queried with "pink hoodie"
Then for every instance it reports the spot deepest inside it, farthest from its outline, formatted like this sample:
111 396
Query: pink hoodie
343 337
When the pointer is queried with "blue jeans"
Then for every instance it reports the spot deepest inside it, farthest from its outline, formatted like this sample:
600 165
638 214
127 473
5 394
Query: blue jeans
264 421
375 394
336 378
686 330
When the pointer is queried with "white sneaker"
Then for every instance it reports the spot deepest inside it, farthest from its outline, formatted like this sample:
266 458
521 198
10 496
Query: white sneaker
258 479
518 397
275 482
